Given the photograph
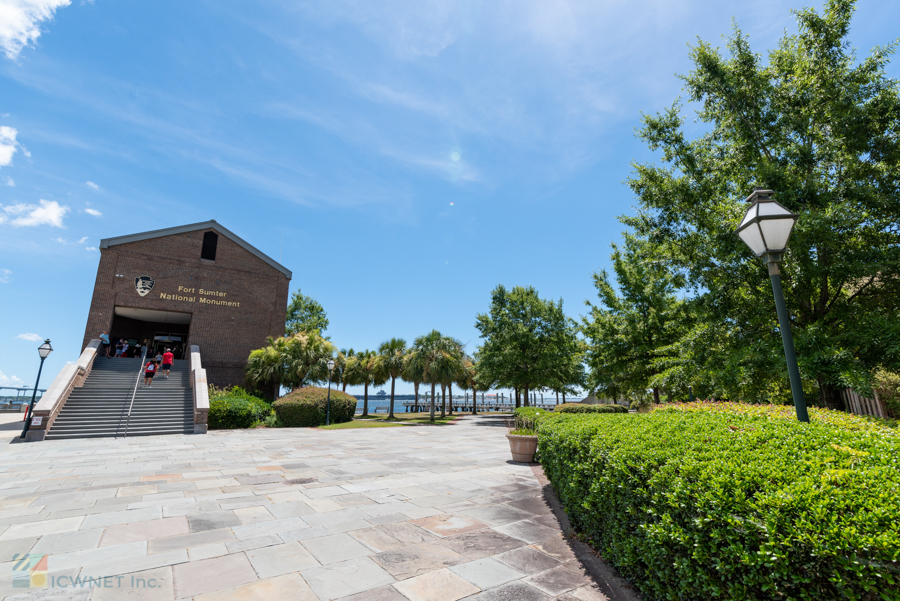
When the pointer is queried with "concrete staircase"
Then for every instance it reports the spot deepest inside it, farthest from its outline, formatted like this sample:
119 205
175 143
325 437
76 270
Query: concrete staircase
100 407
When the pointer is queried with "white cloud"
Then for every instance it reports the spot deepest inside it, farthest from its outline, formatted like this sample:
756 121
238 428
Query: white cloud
60 240
10 182
92 185
48 212
20 22
82 241
91 248
93 212
30 337
8 144
4 276
9 380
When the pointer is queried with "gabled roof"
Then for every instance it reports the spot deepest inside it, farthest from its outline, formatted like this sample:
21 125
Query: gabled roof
181 229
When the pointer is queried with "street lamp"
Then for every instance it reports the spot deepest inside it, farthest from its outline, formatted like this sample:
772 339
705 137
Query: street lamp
328 402
765 228
44 351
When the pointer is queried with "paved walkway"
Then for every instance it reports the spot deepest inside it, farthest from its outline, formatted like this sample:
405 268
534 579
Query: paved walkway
382 514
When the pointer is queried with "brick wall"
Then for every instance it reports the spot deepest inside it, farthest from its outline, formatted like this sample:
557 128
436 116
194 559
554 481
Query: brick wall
225 334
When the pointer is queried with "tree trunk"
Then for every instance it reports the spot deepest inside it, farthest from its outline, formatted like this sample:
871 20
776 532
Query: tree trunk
527 397
474 400
517 398
557 397
656 394
391 411
450 394
416 388
830 397
432 401
443 400
564 397
344 389
365 412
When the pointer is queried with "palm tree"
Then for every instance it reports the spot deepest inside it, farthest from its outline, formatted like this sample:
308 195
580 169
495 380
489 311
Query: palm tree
363 369
340 365
413 370
390 364
453 365
292 361
429 353
266 366
466 379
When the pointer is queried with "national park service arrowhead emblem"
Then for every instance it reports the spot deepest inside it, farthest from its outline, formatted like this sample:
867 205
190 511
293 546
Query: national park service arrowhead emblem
143 284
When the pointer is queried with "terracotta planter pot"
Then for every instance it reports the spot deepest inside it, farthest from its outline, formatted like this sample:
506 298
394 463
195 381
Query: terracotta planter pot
522 447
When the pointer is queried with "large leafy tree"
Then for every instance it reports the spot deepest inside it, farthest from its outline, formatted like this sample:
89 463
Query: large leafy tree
633 327
820 128
527 340
391 355
305 314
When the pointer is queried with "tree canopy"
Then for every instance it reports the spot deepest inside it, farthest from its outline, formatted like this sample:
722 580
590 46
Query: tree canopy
631 331
529 343
305 314
820 128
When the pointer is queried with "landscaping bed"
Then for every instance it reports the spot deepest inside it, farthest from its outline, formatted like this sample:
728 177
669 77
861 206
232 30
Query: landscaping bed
711 502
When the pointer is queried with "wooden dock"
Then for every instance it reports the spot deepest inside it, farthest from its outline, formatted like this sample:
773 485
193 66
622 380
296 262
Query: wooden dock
465 406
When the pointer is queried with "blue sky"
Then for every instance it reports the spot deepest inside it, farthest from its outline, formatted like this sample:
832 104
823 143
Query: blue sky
412 155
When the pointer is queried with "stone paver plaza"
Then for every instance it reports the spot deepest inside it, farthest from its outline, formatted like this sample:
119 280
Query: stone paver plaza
406 513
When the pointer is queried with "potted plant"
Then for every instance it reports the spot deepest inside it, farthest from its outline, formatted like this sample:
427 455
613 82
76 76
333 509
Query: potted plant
523 440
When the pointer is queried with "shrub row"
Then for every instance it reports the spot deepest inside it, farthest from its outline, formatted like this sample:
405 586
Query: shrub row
579 408
717 505
228 412
305 407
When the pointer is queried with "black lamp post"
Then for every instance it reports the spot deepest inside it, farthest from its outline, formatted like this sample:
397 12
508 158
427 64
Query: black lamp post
766 228
44 351
328 401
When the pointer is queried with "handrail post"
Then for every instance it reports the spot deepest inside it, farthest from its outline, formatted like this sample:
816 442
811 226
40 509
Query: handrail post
134 393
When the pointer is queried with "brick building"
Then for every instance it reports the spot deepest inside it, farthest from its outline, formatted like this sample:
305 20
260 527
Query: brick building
195 284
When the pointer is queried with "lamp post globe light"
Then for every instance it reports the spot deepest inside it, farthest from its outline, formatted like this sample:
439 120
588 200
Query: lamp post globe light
766 228
328 400
44 351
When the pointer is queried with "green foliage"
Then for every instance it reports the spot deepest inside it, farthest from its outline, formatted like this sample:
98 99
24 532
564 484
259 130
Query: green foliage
633 328
234 392
390 361
363 369
839 419
529 343
887 387
708 505
817 125
305 314
527 420
228 412
291 361
578 408
437 360
305 407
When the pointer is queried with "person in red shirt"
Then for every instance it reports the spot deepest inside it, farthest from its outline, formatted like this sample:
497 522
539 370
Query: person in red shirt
149 372
168 359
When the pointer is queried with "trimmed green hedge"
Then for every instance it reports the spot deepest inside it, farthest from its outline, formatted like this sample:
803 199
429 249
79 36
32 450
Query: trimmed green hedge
305 407
579 408
229 412
697 506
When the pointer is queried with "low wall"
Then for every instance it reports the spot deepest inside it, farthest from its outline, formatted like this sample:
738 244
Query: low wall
70 377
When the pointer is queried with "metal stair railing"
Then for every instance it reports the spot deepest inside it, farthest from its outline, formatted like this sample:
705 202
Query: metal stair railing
134 392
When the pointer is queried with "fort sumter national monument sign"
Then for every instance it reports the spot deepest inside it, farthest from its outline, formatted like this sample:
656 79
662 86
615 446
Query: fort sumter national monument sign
196 284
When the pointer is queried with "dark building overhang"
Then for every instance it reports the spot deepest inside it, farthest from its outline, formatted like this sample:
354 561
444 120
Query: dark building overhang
181 229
